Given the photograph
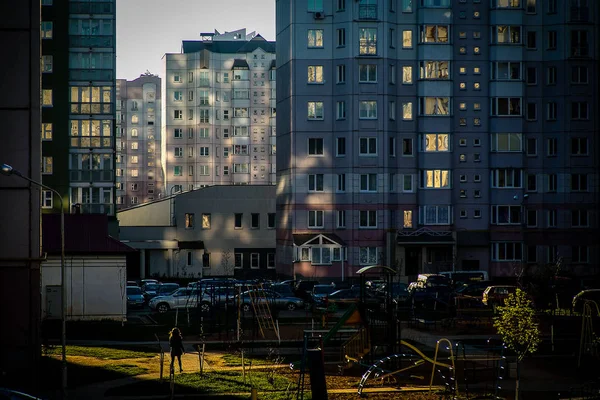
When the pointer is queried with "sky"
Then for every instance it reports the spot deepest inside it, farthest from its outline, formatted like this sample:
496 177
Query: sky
147 29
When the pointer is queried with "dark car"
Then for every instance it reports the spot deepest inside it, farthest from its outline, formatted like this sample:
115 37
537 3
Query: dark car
281 288
319 292
152 290
304 288
399 292
474 289
581 297
135 298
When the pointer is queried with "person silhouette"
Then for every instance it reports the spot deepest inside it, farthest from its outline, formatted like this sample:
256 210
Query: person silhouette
176 345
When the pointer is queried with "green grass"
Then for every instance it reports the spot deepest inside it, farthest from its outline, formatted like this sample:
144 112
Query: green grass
235 360
105 353
125 369
213 383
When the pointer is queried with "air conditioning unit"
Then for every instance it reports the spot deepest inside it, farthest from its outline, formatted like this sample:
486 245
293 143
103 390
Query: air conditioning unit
319 15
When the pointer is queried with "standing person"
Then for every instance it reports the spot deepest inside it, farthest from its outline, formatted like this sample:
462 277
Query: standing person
176 344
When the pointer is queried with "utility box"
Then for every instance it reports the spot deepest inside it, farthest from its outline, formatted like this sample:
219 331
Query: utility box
53 295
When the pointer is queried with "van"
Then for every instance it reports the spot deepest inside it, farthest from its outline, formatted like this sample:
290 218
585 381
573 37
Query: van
465 277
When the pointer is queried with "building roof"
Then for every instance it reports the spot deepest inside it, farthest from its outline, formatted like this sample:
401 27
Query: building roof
84 234
306 239
228 46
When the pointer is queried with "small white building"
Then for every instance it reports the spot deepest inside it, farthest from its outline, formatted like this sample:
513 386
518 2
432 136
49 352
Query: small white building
223 230
96 269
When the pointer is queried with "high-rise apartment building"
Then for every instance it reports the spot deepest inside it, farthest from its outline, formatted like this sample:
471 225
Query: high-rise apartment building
138 172
431 135
218 108
78 97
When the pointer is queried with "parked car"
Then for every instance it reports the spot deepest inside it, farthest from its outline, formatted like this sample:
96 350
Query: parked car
135 298
217 297
399 292
458 278
281 288
274 299
132 283
581 297
319 292
343 298
181 298
304 288
495 295
148 281
473 289
161 289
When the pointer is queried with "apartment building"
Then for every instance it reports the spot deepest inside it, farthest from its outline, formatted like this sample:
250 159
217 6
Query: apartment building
78 98
434 135
139 176
218 107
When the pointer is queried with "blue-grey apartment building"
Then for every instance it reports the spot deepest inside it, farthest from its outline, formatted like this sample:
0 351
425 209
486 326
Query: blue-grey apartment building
433 135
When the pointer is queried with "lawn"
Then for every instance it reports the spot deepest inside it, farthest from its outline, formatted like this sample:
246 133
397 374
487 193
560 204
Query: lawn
104 353
235 360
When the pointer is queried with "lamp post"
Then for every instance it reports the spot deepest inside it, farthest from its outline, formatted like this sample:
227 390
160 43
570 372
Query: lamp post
8 170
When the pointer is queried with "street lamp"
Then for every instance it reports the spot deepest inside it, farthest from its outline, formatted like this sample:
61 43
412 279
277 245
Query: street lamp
8 171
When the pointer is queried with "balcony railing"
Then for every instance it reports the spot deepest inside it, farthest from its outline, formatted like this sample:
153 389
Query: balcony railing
88 175
91 74
91 41
367 11
107 209
579 14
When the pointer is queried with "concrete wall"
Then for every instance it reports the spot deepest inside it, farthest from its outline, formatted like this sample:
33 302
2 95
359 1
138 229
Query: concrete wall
151 214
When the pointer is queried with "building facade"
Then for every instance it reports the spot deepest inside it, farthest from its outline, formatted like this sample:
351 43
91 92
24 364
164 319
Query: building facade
20 246
78 105
218 107
222 230
436 135
139 176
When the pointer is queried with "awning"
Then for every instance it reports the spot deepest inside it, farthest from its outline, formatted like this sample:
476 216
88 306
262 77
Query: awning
191 245
425 236
240 64
309 239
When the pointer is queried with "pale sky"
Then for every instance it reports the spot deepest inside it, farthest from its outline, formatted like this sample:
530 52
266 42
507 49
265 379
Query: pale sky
147 29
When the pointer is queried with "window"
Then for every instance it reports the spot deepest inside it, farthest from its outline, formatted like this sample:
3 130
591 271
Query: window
434 33
367 41
254 260
341 37
315 74
552 40
368 255
434 69
579 146
552 182
177 95
368 146
315 147
434 105
47 98
579 110
315 38
341 73
341 218
254 221
367 73
47 131
507 251
178 152
315 182
506 142
435 215
407 183
315 219
407 219
271 220
579 218
531 146
579 183
579 75
368 182
206 219
551 111
238 259
367 219
531 183
579 254
238 220
531 218
340 108
189 221
531 76
47 199
552 218
506 106
506 178
551 76
435 179
531 111
531 40
407 39
506 34
340 147
46 29
407 73
315 110
47 165
315 5
407 111
435 142
47 64
579 43
407 147
506 71
551 147
367 110
177 114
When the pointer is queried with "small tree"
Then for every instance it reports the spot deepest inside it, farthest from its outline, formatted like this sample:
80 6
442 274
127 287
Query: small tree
517 326
226 262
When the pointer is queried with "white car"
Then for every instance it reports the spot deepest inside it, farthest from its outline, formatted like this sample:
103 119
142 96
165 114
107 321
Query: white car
181 298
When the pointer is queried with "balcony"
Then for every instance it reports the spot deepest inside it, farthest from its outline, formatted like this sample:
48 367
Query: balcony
92 208
579 14
91 74
367 11
91 8
91 142
88 175
92 41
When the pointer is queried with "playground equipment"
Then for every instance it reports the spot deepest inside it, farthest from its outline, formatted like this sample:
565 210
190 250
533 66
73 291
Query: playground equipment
314 358
450 380
262 312
586 342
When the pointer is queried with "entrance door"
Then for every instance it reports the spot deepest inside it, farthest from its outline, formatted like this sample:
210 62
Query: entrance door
412 260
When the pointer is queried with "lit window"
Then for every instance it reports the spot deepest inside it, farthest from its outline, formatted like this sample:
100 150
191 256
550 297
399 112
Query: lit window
47 97
367 39
315 74
47 131
435 142
407 111
407 39
407 219
47 165
407 75
435 179
315 110
315 38
47 62
189 221
46 29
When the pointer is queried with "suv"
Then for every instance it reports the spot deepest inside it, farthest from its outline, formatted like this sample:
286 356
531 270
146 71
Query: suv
181 298
494 296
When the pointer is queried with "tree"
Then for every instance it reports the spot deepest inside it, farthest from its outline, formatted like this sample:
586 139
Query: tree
517 326
225 262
